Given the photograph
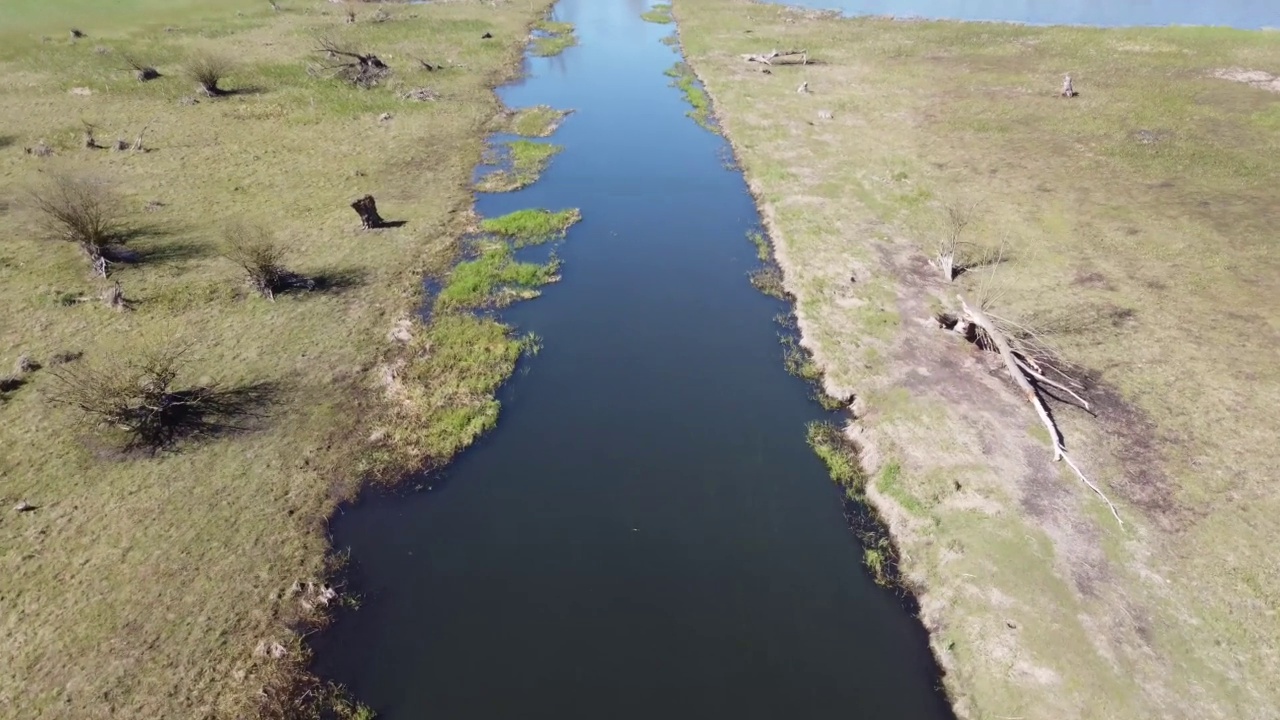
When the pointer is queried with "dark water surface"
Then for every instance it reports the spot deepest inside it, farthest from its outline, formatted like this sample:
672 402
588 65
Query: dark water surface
646 534
1247 14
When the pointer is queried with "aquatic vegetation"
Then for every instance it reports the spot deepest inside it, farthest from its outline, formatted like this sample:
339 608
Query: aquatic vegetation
660 13
537 121
532 225
495 278
554 39
683 77
525 161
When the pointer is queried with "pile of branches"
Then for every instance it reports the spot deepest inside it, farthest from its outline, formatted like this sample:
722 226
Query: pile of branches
364 70
1034 369
141 401
257 253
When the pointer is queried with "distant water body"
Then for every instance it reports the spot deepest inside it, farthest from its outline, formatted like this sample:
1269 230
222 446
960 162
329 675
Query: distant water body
1245 14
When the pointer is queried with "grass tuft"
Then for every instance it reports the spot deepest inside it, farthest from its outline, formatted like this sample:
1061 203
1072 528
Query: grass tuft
838 453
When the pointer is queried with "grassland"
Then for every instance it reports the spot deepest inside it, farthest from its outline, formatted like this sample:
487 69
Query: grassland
552 38
660 14
1135 226
158 586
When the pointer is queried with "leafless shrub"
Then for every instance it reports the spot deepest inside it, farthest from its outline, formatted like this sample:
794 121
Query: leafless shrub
257 253
208 69
113 297
40 149
361 69
141 71
84 212
140 402
948 249
88 140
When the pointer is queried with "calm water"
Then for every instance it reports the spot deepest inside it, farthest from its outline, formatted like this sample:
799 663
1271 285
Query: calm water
646 535
1248 14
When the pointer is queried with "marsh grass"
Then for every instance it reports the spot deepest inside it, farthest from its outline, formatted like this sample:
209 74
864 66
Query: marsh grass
524 161
552 38
531 226
539 121
659 13
495 278
684 78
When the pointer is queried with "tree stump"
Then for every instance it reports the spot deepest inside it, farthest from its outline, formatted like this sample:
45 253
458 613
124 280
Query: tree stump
367 209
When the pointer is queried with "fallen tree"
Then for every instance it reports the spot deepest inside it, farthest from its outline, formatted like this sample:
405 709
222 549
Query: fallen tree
1028 367
779 57
361 69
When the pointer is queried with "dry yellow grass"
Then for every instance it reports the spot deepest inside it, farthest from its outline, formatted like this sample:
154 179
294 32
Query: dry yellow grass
1138 223
140 587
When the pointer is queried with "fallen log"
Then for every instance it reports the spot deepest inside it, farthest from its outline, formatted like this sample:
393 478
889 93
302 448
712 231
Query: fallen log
1021 373
778 55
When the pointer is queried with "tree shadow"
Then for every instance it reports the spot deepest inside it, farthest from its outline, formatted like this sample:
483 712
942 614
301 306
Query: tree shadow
338 280
7 140
390 224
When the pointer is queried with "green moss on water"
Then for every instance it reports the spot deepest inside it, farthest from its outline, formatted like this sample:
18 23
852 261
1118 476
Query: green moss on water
526 160
531 226
683 77
495 278
660 13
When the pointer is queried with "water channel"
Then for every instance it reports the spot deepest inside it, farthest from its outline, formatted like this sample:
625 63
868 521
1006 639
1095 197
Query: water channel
646 534
1244 14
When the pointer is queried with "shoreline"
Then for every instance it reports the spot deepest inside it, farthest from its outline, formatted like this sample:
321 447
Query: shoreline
956 466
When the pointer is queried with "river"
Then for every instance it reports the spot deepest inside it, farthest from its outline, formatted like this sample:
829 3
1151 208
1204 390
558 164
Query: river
646 534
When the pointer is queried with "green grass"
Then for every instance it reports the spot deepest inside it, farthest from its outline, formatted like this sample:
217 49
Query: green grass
837 453
761 242
145 583
448 388
1146 198
531 225
538 121
526 160
495 278
683 77
556 38
660 13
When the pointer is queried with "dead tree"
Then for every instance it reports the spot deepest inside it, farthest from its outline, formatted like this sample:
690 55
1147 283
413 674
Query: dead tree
113 297
948 251
141 71
1030 374
137 143
86 213
89 142
367 209
1068 91
778 57
362 69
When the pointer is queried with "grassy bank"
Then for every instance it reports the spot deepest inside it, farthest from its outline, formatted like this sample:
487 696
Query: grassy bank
1131 228
171 584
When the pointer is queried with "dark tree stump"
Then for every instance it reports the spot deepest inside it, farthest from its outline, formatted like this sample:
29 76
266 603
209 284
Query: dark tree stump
367 208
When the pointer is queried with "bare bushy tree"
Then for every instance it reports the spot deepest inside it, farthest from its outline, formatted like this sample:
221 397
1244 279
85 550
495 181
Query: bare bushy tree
256 252
361 69
208 69
85 212
139 400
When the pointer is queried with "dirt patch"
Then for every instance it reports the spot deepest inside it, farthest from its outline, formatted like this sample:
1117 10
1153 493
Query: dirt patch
1257 78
